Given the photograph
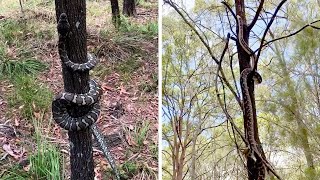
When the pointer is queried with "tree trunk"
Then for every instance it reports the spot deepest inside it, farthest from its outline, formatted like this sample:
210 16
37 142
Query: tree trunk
294 107
253 167
81 157
115 13
129 8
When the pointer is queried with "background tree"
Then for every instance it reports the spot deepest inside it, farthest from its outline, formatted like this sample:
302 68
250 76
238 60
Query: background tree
115 13
129 8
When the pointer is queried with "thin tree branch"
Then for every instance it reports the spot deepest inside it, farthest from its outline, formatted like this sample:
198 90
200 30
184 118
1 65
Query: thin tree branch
253 22
292 34
266 31
229 8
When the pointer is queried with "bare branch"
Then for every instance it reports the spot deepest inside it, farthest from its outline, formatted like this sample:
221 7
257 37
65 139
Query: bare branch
266 31
292 34
253 22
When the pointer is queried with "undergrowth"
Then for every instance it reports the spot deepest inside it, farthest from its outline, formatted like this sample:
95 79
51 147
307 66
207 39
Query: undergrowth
30 96
149 30
14 68
45 163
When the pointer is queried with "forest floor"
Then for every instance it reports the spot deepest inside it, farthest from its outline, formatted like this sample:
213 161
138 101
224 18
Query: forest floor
127 71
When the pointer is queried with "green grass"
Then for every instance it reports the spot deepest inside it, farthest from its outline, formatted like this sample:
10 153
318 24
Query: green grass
14 68
130 168
128 66
140 133
148 87
101 71
150 30
45 163
30 96
145 4
127 171
11 31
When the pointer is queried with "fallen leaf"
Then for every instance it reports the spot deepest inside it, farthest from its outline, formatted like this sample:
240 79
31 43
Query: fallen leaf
16 121
11 152
98 175
130 141
131 127
37 115
123 91
106 88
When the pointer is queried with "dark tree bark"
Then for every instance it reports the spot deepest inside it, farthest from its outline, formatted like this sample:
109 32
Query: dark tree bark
253 167
81 157
115 13
129 8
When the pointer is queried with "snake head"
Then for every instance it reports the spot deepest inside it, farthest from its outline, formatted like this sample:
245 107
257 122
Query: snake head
63 25
257 78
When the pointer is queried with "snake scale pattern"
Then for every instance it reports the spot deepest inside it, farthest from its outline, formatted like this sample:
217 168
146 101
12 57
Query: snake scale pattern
249 74
65 100
243 43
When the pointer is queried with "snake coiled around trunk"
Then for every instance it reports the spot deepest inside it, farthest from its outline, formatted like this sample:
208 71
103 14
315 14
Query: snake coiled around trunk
63 101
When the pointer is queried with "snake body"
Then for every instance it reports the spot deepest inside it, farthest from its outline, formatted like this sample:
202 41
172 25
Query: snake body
249 74
243 43
63 101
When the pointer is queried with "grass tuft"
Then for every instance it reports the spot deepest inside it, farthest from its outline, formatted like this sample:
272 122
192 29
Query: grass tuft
12 30
128 66
150 30
45 163
30 96
14 68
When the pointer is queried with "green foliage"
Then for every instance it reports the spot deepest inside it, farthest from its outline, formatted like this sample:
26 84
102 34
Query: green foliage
128 66
30 96
14 68
102 71
105 33
11 31
15 173
47 160
12 34
150 29
130 168
145 4
45 163
148 86
126 78
127 171
140 133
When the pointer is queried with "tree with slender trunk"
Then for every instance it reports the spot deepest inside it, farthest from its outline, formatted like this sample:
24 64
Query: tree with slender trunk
129 8
115 13
81 157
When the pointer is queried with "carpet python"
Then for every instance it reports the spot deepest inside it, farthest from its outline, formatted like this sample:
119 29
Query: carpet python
249 74
243 43
63 101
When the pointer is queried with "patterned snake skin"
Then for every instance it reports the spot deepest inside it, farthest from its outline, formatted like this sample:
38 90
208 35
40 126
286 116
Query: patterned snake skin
247 75
65 100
